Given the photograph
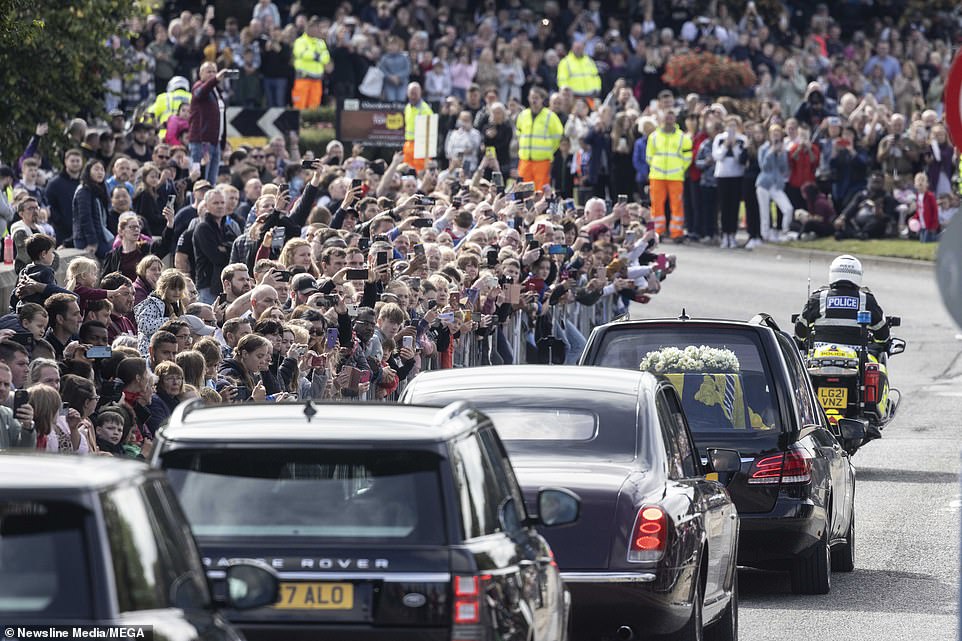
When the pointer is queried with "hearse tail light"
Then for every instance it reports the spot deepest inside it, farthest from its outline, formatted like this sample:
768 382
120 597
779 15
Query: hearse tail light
793 466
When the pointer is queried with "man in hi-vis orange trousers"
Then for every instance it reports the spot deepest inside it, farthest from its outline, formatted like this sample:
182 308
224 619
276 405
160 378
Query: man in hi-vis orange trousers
415 107
311 61
669 155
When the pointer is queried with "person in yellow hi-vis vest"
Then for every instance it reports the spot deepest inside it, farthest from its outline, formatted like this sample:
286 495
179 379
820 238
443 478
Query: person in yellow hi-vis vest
578 72
539 132
668 154
415 107
311 60
167 103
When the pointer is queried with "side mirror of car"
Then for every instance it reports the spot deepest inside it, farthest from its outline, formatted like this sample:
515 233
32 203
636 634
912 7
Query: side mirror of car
896 346
851 429
557 506
724 461
249 584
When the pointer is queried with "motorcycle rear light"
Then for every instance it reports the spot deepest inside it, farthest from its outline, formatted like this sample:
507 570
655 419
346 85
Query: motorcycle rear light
793 466
872 379
649 535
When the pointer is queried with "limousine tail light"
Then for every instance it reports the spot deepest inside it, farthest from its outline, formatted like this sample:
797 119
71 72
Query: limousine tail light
649 536
793 466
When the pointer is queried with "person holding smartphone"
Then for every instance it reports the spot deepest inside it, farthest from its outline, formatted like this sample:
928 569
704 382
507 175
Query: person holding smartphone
132 248
17 425
150 199
208 125
59 428
251 357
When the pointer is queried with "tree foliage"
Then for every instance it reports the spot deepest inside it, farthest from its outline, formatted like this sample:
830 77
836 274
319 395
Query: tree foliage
55 57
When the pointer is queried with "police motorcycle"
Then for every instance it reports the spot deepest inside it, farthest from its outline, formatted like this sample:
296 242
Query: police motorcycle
846 354
852 381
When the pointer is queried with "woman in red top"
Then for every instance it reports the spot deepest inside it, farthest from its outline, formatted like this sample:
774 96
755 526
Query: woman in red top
803 157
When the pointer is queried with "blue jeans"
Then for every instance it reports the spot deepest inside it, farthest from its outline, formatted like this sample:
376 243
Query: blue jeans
276 91
928 236
395 93
197 150
571 336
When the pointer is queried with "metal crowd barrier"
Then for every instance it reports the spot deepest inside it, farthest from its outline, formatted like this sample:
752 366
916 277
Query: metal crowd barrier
469 347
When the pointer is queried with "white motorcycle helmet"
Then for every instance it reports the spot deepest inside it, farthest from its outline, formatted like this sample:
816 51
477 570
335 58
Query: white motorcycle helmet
847 268
178 82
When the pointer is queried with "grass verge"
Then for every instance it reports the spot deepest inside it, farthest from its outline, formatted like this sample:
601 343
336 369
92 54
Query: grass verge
912 249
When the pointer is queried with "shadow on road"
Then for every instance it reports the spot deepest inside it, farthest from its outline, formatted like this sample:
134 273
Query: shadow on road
904 476
861 591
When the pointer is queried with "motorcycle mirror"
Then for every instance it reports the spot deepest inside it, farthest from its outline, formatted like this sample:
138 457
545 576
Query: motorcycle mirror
894 321
896 346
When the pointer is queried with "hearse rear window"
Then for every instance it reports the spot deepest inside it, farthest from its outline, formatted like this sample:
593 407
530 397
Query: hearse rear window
318 494
715 404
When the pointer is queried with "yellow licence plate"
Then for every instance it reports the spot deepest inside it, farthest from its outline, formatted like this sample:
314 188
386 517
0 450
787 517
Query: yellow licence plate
833 398
316 596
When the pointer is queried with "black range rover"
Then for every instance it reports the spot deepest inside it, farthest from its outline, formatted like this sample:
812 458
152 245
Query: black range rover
92 540
383 522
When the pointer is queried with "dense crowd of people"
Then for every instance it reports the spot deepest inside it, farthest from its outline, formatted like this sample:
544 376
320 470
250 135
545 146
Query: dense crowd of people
253 273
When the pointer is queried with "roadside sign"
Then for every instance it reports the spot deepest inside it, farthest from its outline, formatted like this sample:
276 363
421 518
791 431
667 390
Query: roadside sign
262 123
952 99
371 122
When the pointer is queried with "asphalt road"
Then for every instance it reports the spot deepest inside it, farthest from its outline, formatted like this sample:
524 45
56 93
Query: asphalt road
906 582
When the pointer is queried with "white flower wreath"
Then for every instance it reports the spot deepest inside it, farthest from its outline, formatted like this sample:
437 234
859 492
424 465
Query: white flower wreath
701 359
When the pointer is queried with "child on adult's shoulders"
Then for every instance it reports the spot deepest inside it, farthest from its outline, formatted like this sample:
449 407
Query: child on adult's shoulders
40 249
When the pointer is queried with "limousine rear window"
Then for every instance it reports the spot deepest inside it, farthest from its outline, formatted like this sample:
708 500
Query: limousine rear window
544 424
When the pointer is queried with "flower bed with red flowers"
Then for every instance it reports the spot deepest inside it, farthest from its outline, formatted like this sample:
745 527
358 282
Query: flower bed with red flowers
708 74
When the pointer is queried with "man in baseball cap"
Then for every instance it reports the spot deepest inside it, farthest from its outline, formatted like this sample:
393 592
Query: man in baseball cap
302 286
